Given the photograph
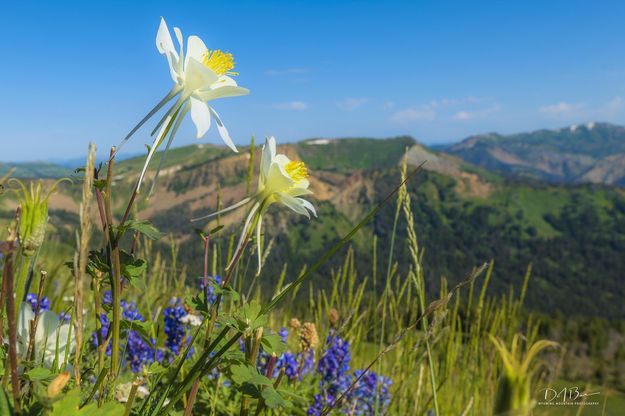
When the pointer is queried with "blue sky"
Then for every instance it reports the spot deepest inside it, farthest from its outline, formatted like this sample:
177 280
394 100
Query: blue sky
88 71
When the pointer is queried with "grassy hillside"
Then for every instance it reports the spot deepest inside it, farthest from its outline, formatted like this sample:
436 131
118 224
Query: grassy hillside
574 236
34 170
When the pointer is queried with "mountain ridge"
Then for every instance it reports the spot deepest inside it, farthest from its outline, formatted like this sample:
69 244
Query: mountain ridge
589 153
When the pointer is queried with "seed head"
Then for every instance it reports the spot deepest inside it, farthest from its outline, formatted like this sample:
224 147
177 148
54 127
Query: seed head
294 323
308 338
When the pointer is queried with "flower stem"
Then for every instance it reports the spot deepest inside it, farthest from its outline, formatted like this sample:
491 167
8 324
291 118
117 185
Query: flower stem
10 308
230 270
115 272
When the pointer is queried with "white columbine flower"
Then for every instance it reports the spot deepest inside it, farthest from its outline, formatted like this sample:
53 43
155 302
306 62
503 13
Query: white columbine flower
51 337
200 75
281 180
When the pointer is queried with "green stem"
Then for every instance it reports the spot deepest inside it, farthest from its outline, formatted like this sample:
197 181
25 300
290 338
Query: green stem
21 281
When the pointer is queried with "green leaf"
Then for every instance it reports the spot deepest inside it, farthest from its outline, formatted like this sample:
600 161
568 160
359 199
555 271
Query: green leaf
5 403
272 344
69 405
132 269
38 373
273 398
144 329
144 227
244 373
250 316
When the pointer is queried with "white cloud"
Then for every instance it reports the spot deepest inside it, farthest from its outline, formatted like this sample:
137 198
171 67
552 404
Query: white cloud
561 108
388 105
454 102
350 104
579 112
292 105
476 114
613 106
463 115
286 71
410 115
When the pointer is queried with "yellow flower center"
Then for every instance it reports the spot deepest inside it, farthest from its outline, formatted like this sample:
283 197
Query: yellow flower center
297 170
220 62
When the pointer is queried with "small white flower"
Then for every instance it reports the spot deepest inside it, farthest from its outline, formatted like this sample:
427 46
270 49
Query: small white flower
193 320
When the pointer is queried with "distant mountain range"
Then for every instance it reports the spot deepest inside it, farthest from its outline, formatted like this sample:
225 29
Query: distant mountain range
590 153
572 234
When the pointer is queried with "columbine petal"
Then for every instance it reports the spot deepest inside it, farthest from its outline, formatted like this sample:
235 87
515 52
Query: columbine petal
294 203
299 191
281 160
222 92
23 322
196 49
223 132
46 328
201 116
269 151
308 206
277 179
165 46
197 75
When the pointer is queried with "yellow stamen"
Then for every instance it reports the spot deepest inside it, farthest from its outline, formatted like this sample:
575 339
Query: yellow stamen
220 62
297 170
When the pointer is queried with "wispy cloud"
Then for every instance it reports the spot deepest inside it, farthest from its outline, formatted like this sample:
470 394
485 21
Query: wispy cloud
350 104
561 108
577 112
613 106
388 105
292 105
286 71
411 115
454 102
476 114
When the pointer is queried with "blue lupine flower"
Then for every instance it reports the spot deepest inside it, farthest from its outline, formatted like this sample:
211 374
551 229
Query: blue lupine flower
104 332
43 306
316 408
289 361
284 334
174 328
294 365
108 298
210 289
371 395
333 367
308 363
138 352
